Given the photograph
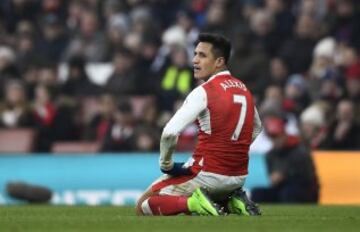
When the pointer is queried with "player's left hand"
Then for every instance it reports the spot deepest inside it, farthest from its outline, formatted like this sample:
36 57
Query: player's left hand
177 170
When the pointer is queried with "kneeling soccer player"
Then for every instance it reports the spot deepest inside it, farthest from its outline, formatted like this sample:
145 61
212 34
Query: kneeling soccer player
228 123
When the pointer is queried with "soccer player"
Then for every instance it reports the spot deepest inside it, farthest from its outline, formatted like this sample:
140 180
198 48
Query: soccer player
228 123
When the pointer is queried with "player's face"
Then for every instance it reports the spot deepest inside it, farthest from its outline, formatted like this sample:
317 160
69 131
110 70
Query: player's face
204 62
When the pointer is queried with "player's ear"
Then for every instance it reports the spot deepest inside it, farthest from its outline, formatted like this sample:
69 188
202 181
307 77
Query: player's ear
220 62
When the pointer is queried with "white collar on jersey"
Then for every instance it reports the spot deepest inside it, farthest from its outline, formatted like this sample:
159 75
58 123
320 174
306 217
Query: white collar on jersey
225 72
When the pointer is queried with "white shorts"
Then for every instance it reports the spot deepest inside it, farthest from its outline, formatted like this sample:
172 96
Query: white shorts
217 185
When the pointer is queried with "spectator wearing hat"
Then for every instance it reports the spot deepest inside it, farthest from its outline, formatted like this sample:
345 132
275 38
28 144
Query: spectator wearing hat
291 170
296 96
313 124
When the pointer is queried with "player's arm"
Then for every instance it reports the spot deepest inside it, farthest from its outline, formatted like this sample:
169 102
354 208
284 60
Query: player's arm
257 125
193 105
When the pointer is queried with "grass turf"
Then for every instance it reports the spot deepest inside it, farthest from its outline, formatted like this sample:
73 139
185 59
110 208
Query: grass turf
107 218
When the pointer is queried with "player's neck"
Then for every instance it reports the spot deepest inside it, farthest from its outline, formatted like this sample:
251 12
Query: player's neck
217 73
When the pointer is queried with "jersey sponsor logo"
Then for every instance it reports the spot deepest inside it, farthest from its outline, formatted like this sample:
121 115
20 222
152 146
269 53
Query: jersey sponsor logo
232 84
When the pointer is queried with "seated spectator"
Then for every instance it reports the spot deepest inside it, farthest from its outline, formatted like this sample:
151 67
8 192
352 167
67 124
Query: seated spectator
66 126
344 133
44 114
15 111
278 71
313 125
273 99
298 50
352 84
78 82
119 134
124 79
90 42
8 69
296 96
99 123
291 170
175 80
53 38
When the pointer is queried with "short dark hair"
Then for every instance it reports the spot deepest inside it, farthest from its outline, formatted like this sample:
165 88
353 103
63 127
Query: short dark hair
221 45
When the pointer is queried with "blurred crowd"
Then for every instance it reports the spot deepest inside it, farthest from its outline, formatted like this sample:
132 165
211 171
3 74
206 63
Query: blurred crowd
114 71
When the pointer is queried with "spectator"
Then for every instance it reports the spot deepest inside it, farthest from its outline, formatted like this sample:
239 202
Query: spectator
15 111
283 18
8 69
344 24
273 100
251 62
352 84
77 82
53 40
116 29
297 51
344 132
323 66
123 81
44 114
66 127
313 125
175 81
279 72
296 96
119 134
291 170
89 42
100 122
14 11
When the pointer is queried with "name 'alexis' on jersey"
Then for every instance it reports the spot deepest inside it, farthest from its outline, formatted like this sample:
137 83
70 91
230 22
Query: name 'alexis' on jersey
233 84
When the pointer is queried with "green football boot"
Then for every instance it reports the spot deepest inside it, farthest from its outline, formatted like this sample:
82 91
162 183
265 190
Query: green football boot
201 204
240 204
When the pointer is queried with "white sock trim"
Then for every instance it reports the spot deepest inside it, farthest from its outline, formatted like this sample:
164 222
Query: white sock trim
145 207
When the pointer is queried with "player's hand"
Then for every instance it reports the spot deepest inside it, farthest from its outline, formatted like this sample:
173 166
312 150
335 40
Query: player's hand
177 170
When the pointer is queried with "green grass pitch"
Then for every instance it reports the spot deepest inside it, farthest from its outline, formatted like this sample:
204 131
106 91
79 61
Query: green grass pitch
290 218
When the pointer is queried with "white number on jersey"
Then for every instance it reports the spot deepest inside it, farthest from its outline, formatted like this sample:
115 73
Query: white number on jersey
239 99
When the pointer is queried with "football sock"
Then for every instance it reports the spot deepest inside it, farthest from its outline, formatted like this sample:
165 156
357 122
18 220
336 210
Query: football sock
168 205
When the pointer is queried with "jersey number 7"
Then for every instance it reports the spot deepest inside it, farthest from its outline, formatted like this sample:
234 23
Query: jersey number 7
239 99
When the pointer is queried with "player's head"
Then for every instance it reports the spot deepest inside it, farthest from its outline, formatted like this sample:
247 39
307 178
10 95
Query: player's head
211 55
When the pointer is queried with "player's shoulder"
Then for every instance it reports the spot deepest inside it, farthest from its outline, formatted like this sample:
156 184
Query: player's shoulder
197 93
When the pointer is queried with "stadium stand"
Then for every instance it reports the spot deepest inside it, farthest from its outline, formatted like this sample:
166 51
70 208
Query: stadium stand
17 140
75 147
291 54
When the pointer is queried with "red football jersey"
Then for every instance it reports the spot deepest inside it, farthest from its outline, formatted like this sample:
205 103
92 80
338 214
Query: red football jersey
226 128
